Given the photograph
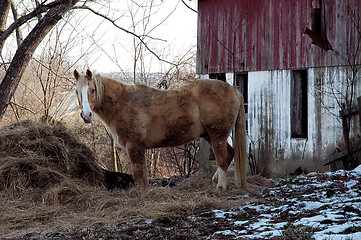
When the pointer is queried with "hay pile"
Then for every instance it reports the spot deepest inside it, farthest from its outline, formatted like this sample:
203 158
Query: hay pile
39 156
50 183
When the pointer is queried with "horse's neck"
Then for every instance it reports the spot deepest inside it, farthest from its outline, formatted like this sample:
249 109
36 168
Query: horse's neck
112 100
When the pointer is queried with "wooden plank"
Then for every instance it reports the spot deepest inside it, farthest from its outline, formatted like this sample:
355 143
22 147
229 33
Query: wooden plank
338 156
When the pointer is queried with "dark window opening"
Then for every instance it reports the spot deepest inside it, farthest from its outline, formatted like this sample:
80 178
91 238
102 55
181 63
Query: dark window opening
316 20
299 109
241 82
317 33
218 76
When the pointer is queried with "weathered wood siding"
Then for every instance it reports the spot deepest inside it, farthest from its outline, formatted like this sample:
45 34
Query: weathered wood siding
269 124
256 35
292 113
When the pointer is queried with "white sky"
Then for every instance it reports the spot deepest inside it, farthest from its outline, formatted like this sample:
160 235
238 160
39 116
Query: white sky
92 42
110 45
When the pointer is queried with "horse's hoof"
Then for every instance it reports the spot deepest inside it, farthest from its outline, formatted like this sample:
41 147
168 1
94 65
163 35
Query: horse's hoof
221 178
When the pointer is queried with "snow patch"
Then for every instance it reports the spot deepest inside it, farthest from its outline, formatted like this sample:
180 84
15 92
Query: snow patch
326 204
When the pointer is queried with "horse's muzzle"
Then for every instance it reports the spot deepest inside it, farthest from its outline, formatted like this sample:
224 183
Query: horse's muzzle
87 117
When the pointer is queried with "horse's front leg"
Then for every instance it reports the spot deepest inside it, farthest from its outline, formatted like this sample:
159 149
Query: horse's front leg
139 165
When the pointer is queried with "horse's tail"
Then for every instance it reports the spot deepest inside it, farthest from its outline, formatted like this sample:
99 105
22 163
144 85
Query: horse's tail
239 144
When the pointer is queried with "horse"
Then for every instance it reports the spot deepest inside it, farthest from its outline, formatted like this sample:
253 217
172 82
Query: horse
141 117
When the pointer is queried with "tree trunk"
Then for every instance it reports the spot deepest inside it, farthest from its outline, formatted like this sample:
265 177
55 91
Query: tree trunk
4 12
26 50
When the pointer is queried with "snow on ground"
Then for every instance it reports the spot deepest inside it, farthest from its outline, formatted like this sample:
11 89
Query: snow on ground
322 205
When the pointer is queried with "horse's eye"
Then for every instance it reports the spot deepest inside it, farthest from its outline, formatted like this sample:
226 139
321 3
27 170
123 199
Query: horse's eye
93 91
76 92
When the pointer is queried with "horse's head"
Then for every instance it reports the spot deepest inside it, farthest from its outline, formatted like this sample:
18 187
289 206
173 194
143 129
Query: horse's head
86 94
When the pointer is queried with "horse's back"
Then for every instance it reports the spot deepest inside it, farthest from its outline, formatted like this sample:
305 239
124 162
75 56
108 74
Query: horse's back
158 118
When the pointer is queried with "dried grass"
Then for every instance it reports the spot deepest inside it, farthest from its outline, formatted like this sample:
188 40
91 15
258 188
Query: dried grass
66 207
35 155
49 182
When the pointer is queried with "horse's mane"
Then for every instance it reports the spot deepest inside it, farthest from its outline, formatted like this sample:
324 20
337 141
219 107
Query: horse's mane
99 88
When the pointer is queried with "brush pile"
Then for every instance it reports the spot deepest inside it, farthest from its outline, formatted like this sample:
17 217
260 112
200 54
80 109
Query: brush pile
43 157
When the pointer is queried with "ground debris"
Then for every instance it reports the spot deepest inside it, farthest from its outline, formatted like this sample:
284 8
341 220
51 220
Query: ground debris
62 206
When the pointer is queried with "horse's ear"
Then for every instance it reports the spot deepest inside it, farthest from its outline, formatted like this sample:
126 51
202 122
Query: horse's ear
76 74
89 74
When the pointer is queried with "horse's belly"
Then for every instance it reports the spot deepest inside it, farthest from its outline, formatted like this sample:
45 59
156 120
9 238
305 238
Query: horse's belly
173 134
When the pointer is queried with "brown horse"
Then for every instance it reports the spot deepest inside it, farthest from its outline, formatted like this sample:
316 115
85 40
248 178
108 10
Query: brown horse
141 117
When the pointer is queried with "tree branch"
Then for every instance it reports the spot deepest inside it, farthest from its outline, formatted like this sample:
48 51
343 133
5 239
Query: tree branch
27 49
189 7
140 38
4 11
20 21
19 37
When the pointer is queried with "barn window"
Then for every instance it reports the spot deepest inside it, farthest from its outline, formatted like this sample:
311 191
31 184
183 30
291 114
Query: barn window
242 85
299 104
218 76
316 20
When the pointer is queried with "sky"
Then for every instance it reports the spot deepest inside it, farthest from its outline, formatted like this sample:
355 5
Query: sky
174 33
89 41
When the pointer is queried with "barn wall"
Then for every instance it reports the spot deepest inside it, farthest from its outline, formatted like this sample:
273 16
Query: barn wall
269 120
265 38
269 114
258 35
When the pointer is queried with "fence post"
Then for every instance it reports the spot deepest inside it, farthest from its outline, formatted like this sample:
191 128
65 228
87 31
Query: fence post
205 165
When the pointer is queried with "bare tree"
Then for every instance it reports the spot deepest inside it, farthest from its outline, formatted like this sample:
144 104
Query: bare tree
182 71
53 12
47 13
45 93
343 89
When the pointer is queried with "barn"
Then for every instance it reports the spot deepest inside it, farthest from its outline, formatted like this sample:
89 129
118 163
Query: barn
297 63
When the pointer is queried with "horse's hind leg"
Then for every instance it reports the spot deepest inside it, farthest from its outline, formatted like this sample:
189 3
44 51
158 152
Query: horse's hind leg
139 166
224 155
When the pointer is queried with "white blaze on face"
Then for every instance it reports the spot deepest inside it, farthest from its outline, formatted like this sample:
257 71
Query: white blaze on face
86 113
85 103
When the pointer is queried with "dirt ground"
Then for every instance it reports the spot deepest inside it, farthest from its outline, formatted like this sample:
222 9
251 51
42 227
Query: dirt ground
313 206
51 184
196 226
179 209
52 188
